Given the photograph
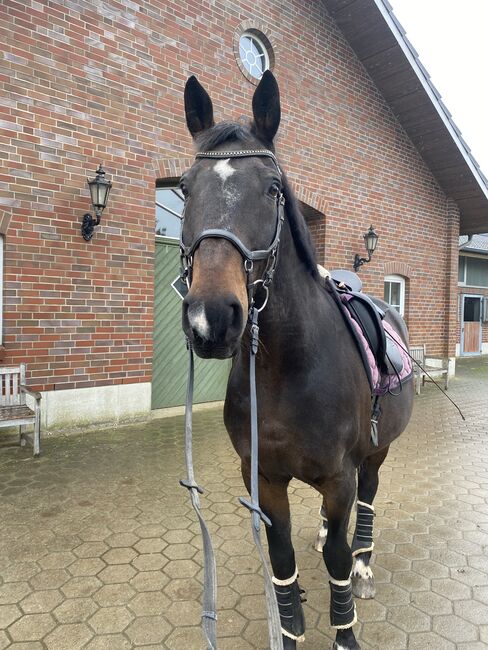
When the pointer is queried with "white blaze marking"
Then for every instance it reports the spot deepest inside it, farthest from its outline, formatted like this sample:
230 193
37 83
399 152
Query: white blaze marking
224 169
198 320
361 570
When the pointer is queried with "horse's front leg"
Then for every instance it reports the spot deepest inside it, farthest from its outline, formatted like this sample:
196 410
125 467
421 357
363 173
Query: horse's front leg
338 497
362 545
273 499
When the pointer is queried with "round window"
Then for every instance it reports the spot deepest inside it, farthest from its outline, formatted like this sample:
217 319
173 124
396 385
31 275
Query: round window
253 54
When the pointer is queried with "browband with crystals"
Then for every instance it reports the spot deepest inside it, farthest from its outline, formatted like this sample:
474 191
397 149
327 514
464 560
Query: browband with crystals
244 153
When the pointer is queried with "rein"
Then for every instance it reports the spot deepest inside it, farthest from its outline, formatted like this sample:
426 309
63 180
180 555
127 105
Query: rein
270 254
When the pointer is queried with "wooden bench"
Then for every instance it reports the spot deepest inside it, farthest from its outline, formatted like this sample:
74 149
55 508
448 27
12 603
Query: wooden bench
13 408
435 370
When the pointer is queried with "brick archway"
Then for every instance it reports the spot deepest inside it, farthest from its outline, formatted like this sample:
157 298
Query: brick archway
172 167
398 268
317 224
315 200
5 216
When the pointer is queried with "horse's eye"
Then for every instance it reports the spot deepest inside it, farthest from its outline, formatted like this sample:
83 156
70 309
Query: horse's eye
183 189
274 191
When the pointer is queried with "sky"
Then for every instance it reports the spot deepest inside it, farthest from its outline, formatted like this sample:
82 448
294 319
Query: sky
451 39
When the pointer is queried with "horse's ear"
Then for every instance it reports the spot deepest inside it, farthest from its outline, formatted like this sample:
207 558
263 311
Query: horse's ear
266 107
198 107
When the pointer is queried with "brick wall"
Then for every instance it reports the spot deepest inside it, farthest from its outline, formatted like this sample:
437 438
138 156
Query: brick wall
80 86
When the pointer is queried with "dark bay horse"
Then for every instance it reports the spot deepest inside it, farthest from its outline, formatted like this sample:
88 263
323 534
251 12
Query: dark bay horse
314 401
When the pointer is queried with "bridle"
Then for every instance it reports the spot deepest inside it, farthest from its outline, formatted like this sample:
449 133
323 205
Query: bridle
249 256
270 254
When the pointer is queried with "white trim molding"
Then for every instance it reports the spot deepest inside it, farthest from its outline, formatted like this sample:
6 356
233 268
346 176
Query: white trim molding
400 280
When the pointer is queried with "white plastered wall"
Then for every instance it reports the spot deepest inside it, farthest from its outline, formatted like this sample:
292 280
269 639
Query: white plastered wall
81 407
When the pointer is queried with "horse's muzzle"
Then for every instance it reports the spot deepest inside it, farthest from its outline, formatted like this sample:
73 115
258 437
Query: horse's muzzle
213 326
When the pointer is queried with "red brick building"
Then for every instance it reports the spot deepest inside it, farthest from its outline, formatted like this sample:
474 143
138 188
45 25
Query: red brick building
365 140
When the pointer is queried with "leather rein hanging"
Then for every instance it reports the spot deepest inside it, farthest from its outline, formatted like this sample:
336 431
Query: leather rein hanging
270 254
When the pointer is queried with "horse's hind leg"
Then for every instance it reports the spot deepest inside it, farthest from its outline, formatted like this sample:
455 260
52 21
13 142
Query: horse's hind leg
274 502
362 545
322 533
339 497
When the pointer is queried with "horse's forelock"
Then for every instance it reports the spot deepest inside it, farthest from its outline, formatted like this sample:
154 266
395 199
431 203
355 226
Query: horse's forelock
225 132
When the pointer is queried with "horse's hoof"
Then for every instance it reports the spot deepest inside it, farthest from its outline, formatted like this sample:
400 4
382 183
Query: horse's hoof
356 646
363 587
289 644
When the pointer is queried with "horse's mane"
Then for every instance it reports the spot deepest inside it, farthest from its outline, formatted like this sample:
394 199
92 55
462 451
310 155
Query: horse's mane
232 132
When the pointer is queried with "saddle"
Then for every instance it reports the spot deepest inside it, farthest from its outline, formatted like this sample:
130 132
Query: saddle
347 287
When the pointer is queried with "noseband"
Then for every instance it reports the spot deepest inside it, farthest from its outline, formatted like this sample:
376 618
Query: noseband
248 256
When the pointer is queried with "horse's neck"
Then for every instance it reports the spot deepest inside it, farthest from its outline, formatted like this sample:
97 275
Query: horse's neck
296 307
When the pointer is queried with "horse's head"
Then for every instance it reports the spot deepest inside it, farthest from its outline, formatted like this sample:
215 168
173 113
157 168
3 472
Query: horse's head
232 217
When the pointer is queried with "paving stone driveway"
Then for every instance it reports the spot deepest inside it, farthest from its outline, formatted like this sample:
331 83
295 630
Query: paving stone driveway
99 548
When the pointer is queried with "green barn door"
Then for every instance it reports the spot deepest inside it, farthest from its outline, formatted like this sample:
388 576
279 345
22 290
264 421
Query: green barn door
170 360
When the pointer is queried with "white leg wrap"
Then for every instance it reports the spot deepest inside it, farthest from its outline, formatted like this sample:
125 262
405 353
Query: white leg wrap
287 582
346 627
363 550
298 639
340 583
340 609
363 535
366 505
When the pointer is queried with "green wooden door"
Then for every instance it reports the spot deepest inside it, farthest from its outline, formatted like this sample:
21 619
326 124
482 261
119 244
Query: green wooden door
170 361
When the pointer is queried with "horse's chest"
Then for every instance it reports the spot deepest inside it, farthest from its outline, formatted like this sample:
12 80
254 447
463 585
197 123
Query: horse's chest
308 419
296 437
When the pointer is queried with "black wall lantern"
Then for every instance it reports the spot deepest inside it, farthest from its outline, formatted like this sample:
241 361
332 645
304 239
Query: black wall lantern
99 191
370 242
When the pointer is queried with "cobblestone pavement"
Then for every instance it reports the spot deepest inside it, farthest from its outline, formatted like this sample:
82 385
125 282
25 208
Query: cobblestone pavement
99 548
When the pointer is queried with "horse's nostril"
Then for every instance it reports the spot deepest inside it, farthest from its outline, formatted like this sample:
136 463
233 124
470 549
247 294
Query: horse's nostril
236 319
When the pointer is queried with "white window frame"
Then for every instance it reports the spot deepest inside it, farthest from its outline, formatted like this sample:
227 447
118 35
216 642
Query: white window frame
174 187
464 282
251 35
398 279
